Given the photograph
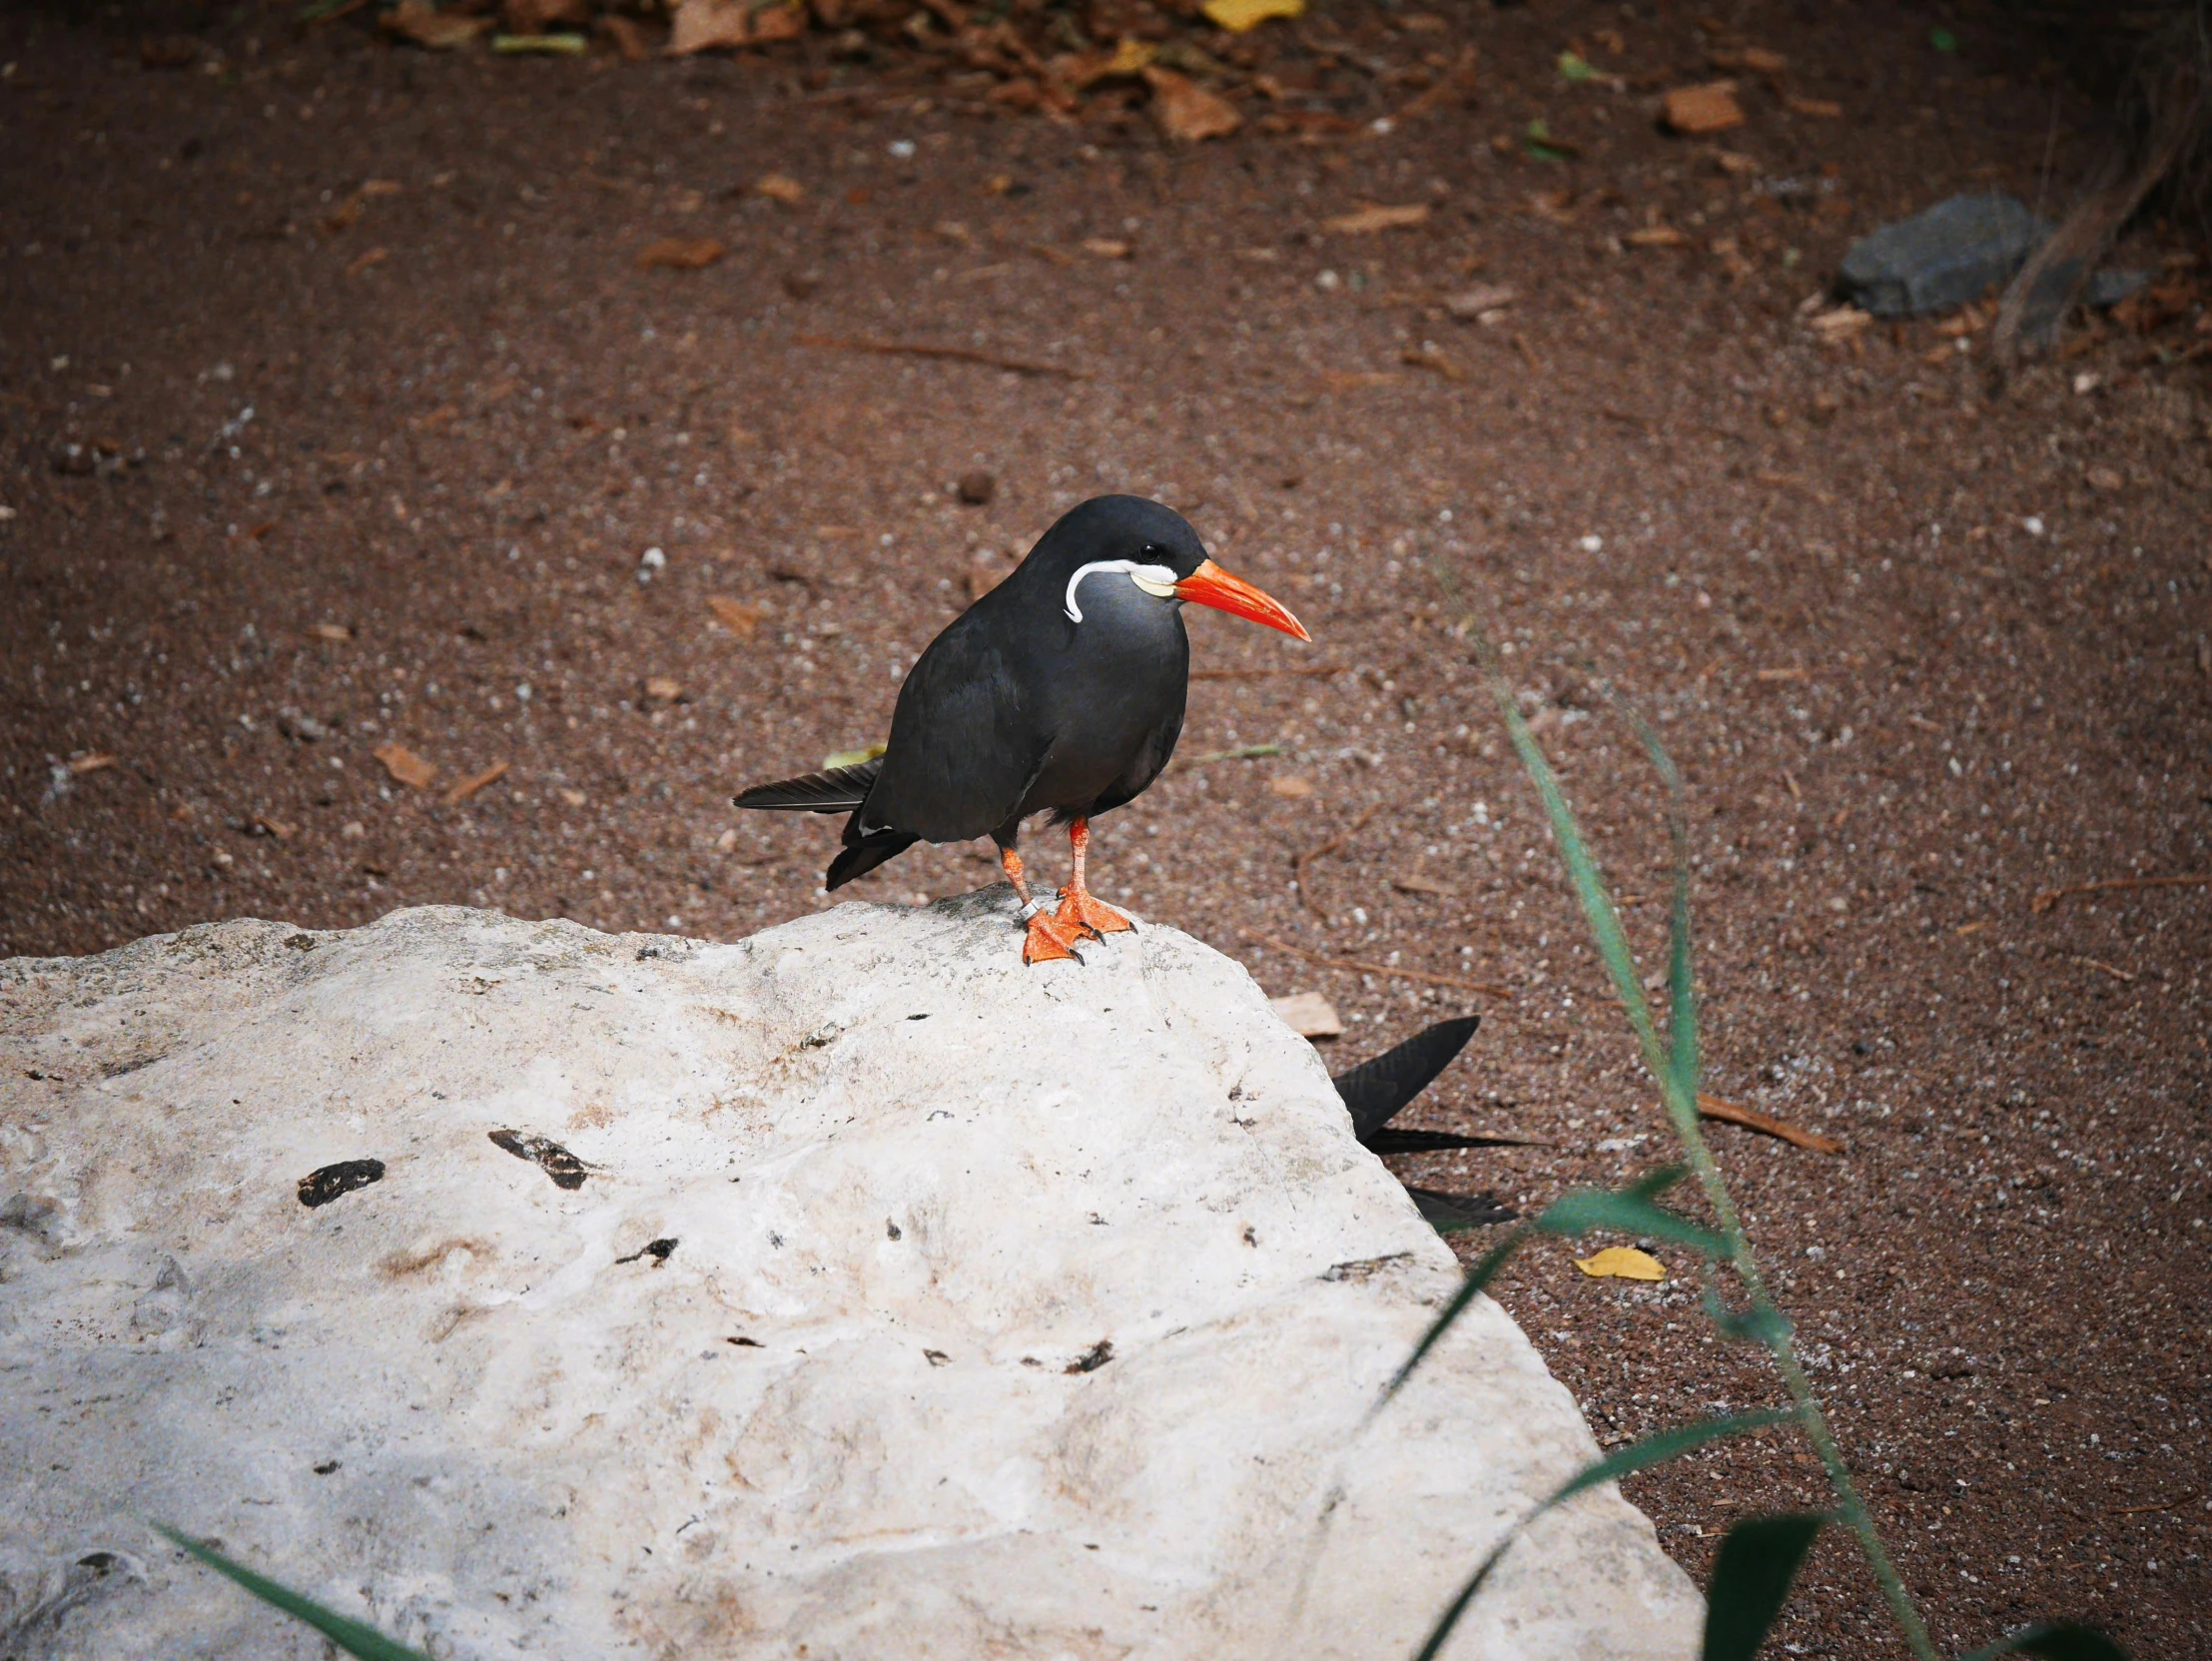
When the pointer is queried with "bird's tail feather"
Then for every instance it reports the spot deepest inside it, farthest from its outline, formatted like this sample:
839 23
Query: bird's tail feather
864 855
836 790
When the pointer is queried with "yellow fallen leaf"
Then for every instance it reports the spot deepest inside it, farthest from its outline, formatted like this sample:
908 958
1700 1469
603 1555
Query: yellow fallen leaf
1367 220
405 766
1622 1262
1236 16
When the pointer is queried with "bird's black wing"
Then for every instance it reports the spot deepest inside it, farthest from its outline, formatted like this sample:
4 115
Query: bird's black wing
837 790
966 738
1375 1090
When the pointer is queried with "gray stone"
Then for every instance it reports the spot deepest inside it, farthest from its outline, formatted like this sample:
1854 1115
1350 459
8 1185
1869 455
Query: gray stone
849 1285
1939 259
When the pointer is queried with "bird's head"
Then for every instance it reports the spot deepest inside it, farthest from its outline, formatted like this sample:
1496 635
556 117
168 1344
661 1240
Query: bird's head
1131 539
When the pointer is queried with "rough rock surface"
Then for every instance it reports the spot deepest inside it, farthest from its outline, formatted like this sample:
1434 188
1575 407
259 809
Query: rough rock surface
889 1299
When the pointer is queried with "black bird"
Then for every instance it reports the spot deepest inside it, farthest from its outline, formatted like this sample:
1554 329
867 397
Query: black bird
1376 1091
1061 690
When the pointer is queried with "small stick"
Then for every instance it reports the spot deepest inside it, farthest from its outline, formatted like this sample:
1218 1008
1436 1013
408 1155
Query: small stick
1355 964
1300 862
1728 1113
2051 896
2162 1506
955 354
2095 963
1258 674
462 789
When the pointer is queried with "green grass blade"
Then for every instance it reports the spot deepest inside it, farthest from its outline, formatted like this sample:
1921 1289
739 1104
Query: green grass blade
1683 1061
1751 1581
1622 1461
1627 1214
2053 1641
1478 1277
1582 872
352 1636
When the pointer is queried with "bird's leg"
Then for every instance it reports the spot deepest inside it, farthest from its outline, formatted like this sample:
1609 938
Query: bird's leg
1078 912
1047 938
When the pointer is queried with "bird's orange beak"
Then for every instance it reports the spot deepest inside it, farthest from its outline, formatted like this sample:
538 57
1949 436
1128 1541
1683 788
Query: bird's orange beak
1211 585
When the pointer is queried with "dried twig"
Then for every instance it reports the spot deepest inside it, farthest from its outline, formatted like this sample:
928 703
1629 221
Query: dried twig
1358 967
2051 896
462 789
1728 1113
2107 967
1300 862
955 354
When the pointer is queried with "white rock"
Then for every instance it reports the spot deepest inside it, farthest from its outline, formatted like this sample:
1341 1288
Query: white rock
928 1187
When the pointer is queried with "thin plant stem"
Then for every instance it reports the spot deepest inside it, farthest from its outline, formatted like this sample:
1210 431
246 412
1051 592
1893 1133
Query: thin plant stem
1678 1090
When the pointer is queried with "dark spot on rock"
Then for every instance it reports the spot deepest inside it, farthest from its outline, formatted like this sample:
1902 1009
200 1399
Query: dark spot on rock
1092 1359
325 1469
1362 1268
891 1228
322 1186
644 952
566 1171
923 1016
301 942
936 1357
657 1250
744 1343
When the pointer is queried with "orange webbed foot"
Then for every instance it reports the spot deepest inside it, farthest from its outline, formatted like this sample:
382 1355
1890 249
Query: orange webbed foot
1081 911
1049 939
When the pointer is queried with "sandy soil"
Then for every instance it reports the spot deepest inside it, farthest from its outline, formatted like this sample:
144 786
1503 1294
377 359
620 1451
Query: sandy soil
376 416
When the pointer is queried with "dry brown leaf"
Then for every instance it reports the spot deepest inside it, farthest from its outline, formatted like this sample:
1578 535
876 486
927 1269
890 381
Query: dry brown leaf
739 618
1107 247
1482 300
93 763
330 631
1187 112
709 25
375 257
1657 235
1622 1262
1422 885
1433 358
428 27
631 38
1349 380
1826 108
1841 323
1367 220
405 767
1293 785
1309 1015
778 187
1711 108
663 688
1754 59
680 254
574 798
463 789
534 17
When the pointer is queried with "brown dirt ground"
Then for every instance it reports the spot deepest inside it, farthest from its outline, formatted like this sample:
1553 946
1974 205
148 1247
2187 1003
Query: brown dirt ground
1900 711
